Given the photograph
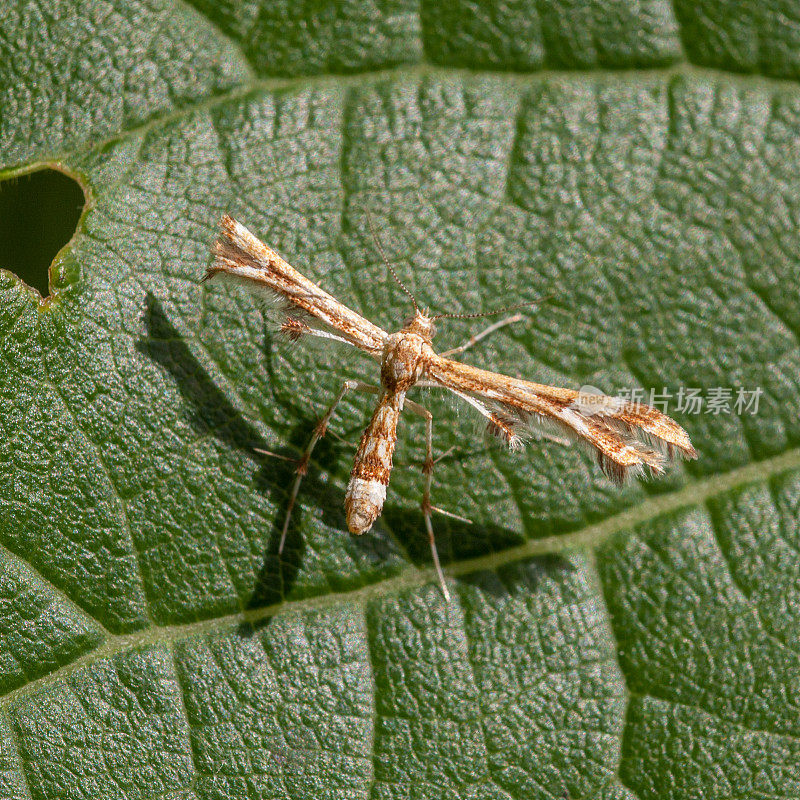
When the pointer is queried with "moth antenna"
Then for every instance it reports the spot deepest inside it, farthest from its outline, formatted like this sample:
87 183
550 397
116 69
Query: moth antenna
495 311
386 260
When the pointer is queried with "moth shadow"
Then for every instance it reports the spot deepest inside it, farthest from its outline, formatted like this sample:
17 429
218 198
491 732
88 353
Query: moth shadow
273 582
212 414
456 540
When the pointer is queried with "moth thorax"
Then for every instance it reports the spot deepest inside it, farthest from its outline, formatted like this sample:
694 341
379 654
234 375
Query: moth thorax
403 356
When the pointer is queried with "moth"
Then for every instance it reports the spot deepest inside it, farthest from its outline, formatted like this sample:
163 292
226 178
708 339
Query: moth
627 438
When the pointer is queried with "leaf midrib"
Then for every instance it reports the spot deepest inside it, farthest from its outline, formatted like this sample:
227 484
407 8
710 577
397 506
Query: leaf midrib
587 537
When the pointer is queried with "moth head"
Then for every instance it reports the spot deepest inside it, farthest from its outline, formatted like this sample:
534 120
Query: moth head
422 325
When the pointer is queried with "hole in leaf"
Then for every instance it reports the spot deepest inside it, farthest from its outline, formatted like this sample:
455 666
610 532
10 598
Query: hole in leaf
39 212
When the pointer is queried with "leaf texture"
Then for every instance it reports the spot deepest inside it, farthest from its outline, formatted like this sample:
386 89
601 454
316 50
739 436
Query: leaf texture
611 643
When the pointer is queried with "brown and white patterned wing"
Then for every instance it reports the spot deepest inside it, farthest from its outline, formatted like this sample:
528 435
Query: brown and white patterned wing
243 258
626 437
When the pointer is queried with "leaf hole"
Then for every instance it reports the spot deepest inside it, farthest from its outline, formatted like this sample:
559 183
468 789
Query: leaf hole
39 213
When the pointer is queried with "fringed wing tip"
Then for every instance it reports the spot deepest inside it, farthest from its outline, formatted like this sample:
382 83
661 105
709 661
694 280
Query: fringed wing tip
672 441
645 438
675 450
653 457
622 449
224 248
622 474
228 224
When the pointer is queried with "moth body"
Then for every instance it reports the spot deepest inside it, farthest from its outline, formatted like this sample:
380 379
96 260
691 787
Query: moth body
626 438
402 363
372 465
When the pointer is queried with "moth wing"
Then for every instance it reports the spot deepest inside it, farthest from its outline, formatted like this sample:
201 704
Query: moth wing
625 437
240 257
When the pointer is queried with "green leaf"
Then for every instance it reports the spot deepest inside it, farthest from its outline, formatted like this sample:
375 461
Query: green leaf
602 642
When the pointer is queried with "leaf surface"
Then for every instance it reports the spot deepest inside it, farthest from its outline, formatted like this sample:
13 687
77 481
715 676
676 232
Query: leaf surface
602 642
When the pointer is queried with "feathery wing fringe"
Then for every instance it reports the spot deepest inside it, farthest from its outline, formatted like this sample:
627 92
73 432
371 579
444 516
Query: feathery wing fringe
242 258
625 437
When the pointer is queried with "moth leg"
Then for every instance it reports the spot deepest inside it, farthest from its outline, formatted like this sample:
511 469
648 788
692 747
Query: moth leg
482 335
319 431
427 471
